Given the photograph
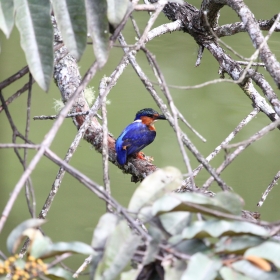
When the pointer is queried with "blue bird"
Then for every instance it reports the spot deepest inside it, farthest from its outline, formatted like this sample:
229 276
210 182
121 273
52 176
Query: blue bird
137 135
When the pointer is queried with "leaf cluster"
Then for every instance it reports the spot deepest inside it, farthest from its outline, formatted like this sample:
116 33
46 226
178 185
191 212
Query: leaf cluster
183 236
179 244
40 250
75 19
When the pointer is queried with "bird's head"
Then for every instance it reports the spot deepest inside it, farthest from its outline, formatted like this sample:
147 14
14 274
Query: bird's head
148 116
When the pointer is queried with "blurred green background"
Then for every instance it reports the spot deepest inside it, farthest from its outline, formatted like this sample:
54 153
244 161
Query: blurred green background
214 111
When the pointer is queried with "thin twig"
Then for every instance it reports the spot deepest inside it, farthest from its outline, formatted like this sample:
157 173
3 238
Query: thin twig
45 144
241 147
98 190
199 56
29 190
253 64
268 189
174 110
53 117
145 7
231 136
16 95
19 146
163 108
59 259
82 267
105 157
14 77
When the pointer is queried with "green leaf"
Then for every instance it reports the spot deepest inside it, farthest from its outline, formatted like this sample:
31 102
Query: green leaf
175 222
187 202
67 247
201 267
116 10
71 20
253 272
98 29
145 214
20 263
230 202
6 16
103 230
228 273
17 233
269 250
154 186
57 273
36 38
173 269
130 275
237 244
189 247
217 228
120 248
40 246
106 225
152 246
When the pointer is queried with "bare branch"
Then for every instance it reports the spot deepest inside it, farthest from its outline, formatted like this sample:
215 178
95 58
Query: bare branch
14 77
241 147
163 108
16 94
217 150
268 189
105 156
45 144
53 117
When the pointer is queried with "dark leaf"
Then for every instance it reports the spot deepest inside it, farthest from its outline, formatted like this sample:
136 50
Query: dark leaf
237 244
71 20
6 16
36 38
189 247
98 29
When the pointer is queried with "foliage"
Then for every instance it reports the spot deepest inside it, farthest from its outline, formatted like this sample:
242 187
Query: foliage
41 248
182 244
74 18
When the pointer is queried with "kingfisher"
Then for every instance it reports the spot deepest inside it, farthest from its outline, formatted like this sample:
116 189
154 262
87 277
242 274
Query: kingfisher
137 135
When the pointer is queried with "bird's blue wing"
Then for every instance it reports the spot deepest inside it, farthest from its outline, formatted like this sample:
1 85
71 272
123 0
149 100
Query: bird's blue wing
132 140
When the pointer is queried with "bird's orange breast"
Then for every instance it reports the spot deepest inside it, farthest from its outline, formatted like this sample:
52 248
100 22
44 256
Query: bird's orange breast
149 122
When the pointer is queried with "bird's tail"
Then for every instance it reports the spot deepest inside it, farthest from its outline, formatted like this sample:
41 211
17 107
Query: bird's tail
121 156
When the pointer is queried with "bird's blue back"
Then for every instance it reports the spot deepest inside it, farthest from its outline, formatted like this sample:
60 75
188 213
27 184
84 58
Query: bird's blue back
132 140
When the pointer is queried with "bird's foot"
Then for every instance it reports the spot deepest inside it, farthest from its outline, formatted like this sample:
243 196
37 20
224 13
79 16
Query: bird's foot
141 155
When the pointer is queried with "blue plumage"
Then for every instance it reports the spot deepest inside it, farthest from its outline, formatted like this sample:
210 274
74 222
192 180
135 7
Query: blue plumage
137 135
